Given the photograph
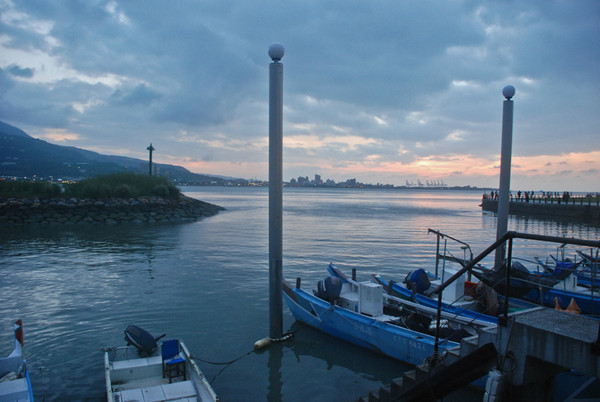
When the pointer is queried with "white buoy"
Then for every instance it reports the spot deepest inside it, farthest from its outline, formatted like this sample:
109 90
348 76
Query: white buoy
262 343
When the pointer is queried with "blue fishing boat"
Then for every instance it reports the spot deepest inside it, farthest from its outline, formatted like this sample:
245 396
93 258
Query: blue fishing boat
588 279
542 289
560 270
397 289
483 305
588 275
555 288
359 313
394 300
15 384
586 269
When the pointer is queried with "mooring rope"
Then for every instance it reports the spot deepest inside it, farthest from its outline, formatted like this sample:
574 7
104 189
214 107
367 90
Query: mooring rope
284 337
222 363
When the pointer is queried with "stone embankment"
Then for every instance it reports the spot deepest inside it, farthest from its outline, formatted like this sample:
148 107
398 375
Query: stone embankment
112 211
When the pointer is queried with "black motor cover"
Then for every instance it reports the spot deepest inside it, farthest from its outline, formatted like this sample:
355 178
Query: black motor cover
329 289
141 339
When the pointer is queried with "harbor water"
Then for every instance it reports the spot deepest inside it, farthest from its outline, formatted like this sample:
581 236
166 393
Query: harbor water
78 287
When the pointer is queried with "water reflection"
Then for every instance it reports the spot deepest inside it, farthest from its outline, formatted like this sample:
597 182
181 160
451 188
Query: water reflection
78 287
274 392
310 343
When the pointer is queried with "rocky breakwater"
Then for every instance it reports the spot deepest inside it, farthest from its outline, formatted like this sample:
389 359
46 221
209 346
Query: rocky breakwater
20 211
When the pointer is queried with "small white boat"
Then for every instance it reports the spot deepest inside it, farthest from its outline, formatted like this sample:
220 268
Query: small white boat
133 373
15 384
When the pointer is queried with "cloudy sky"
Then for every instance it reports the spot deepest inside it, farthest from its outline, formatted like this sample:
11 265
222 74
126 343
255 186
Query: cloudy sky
381 91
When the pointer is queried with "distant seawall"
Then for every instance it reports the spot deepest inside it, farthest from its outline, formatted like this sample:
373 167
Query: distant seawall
589 211
15 211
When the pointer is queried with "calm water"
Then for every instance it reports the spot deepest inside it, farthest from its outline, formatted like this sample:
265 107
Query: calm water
77 288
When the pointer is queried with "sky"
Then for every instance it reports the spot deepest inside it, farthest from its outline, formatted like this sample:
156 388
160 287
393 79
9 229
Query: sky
383 91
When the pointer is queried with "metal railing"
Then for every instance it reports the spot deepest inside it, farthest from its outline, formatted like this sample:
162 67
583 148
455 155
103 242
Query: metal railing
507 237
437 253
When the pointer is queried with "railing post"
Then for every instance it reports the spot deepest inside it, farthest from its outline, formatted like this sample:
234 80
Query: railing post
437 329
504 321
594 267
437 255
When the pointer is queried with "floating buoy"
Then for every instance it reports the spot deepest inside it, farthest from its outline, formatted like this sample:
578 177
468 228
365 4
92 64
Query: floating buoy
262 343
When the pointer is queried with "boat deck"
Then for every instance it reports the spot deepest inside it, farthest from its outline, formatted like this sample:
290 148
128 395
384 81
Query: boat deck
141 380
134 378
178 391
15 390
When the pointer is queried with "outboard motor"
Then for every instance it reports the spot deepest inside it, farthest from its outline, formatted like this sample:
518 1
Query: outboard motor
518 270
417 281
329 289
141 339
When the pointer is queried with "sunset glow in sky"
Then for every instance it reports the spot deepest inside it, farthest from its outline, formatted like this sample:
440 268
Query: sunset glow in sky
381 91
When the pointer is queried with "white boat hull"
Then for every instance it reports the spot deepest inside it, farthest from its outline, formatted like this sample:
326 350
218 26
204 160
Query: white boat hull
130 377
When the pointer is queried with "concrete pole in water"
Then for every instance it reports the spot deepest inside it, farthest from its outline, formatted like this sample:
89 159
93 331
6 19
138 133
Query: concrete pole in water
150 149
276 52
505 161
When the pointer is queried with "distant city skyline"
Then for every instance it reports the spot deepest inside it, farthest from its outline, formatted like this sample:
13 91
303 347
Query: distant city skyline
353 182
400 91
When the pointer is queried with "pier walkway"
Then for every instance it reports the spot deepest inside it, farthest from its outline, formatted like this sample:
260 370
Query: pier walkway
532 349
575 208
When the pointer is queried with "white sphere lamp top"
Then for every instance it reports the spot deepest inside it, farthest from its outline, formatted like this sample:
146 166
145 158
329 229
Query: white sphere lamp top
276 51
508 91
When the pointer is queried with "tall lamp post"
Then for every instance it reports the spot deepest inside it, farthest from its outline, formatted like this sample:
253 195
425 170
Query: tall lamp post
276 52
150 149
505 161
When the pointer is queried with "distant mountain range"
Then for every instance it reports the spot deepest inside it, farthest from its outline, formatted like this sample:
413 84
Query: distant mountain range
24 156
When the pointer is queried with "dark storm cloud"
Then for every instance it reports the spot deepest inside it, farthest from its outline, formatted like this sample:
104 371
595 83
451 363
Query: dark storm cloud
20 72
414 79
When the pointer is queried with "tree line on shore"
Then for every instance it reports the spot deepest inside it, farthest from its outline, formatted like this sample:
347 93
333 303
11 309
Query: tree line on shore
116 185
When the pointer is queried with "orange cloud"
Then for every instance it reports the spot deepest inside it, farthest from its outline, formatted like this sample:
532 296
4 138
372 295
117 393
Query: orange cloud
555 164
59 135
471 168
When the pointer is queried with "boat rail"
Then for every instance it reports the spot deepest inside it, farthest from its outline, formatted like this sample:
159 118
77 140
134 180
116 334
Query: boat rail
109 392
441 235
468 265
